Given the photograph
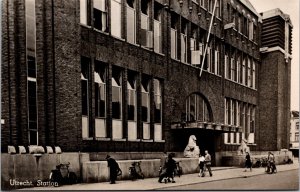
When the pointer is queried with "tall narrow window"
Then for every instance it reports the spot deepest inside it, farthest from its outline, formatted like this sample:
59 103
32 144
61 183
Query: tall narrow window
116 24
183 39
238 67
239 23
249 72
157 28
250 30
195 47
227 68
244 70
210 6
218 9
157 110
252 125
131 106
31 72
146 34
85 97
83 12
146 108
117 104
100 99
174 23
100 15
233 68
131 21
253 74
217 59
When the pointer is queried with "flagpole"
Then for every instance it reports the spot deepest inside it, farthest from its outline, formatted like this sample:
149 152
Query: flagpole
207 40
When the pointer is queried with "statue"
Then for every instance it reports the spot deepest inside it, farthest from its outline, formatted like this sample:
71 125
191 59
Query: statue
243 148
192 150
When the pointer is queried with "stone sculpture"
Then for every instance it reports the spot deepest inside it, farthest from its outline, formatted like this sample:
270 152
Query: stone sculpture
243 148
192 150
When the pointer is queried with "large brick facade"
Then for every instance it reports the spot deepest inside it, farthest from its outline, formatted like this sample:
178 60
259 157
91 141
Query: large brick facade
62 42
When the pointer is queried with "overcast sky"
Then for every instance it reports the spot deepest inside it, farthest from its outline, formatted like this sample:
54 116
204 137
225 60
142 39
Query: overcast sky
290 7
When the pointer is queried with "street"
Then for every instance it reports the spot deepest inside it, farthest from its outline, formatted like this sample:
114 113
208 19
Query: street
287 180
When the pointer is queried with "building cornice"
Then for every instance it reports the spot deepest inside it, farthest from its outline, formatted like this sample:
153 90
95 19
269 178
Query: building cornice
277 48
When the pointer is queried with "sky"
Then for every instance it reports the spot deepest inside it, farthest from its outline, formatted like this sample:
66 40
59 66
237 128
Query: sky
290 7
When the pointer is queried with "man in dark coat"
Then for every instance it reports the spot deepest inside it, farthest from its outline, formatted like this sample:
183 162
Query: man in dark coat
113 169
168 169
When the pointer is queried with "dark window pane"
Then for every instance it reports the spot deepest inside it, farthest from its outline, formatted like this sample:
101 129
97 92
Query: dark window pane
116 102
131 104
145 107
84 97
100 20
33 137
100 100
31 67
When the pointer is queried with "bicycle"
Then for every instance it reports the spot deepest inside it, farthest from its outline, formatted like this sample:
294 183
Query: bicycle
62 175
135 171
178 170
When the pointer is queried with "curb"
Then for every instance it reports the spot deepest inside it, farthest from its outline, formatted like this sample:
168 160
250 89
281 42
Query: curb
234 177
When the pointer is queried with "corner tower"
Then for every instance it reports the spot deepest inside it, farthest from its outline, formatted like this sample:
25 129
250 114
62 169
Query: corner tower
275 80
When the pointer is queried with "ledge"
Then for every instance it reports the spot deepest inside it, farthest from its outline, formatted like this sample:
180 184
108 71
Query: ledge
103 139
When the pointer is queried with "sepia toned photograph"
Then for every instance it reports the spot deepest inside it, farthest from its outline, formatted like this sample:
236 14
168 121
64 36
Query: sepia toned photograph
165 95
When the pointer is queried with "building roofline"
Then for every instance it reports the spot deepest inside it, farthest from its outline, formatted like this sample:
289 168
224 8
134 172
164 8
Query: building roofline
276 12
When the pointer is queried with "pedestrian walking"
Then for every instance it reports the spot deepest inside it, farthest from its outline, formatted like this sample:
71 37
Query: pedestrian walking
207 162
201 165
248 163
114 169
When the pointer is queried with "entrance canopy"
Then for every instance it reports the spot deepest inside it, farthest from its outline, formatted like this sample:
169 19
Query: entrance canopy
207 126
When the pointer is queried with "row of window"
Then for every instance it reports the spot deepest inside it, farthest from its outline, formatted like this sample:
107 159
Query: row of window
150 28
117 88
240 68
240 114
209 5
242 22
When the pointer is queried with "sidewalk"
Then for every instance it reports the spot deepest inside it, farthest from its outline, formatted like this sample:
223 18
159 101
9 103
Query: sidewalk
219 173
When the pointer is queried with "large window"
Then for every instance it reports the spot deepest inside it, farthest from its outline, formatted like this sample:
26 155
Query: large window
131 21
100 99
157 110
297 137
31 71
100 15
233 68
85 97
146 107
146 33
239 114
131 106
197 109
115 20
117 103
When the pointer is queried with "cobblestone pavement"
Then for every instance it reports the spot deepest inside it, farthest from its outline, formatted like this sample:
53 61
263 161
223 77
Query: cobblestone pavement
219 173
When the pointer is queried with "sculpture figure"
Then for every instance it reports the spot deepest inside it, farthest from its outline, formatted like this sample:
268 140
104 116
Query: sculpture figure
243 148
192 150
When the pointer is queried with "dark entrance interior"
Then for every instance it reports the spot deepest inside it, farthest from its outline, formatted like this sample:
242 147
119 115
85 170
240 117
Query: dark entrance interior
206 140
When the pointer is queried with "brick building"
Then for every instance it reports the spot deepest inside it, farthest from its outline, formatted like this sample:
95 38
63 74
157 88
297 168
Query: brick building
124 75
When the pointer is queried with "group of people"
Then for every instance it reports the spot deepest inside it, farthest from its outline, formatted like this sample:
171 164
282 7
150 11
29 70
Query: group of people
168 166
270 162
205 163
